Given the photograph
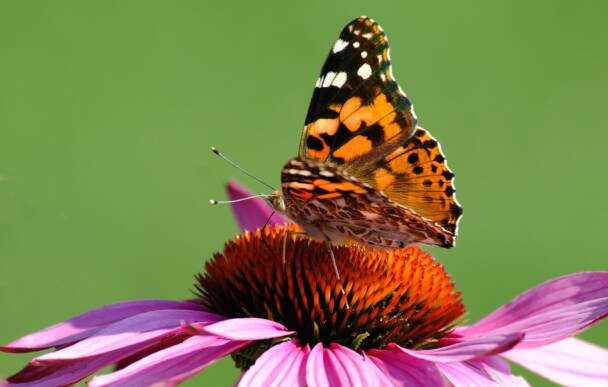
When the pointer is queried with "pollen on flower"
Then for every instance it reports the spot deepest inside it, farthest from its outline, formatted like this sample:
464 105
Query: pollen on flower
402 296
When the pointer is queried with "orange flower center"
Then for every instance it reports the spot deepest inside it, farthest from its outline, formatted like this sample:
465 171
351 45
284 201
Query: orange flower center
402 296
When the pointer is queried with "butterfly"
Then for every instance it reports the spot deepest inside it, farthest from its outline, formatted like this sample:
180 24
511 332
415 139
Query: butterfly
365 171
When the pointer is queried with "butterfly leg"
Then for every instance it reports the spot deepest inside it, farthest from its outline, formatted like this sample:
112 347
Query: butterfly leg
333 260
335 265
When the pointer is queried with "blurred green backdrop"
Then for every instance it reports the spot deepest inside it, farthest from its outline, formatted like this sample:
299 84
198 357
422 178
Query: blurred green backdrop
108 110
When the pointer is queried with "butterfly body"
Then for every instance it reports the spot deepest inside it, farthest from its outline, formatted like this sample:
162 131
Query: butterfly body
365 171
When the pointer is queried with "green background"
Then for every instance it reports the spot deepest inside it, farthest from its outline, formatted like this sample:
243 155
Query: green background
108 110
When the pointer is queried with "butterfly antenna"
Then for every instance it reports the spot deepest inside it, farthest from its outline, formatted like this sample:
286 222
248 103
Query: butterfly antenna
221 155
214 202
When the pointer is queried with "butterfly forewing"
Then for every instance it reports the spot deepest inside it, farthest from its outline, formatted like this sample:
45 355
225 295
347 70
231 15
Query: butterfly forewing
358 111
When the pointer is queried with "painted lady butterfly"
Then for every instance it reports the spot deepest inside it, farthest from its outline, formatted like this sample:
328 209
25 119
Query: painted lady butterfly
365 171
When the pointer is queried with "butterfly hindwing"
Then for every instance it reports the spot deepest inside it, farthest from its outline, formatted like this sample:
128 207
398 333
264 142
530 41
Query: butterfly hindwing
416 175
358 111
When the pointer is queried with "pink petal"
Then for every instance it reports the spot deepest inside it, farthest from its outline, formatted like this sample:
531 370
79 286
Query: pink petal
401 369
249 328
282 365
86 324
468 348
315 368
570 362
254 213
550 312
133 332
172 365
488 371
500 371
339 366
64 373
463 374
379 374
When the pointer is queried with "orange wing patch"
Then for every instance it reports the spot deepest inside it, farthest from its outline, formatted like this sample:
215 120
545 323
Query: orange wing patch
318 130
355 147
354 115
416 175
347 114
356 118
306 187
383 178
321 126
343 186
356 97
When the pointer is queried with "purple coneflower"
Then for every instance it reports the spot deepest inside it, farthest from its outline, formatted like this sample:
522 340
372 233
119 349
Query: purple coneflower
392 320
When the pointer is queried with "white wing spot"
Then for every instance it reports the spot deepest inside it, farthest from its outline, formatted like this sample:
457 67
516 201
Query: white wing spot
339 45
332 79
340 79
301 172
363 54
368 35
356 45
326 173
327 78
379 58
357 32
364 71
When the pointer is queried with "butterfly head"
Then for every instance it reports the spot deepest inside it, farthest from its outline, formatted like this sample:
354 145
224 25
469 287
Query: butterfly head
276 202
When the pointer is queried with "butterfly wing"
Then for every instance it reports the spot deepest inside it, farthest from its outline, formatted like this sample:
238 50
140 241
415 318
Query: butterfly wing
358 112
416 175
331 204
360 120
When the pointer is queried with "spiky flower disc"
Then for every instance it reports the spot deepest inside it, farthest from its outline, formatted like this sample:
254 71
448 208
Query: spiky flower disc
402 296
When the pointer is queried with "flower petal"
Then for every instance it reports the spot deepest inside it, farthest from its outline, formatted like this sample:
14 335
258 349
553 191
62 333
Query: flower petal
172 365
339 366
571 362
379 374
500 371
482 372
64 373
86 324
248 328
282 365
134 332
550 312
463 374
404 370
315 368
254 213
468 348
